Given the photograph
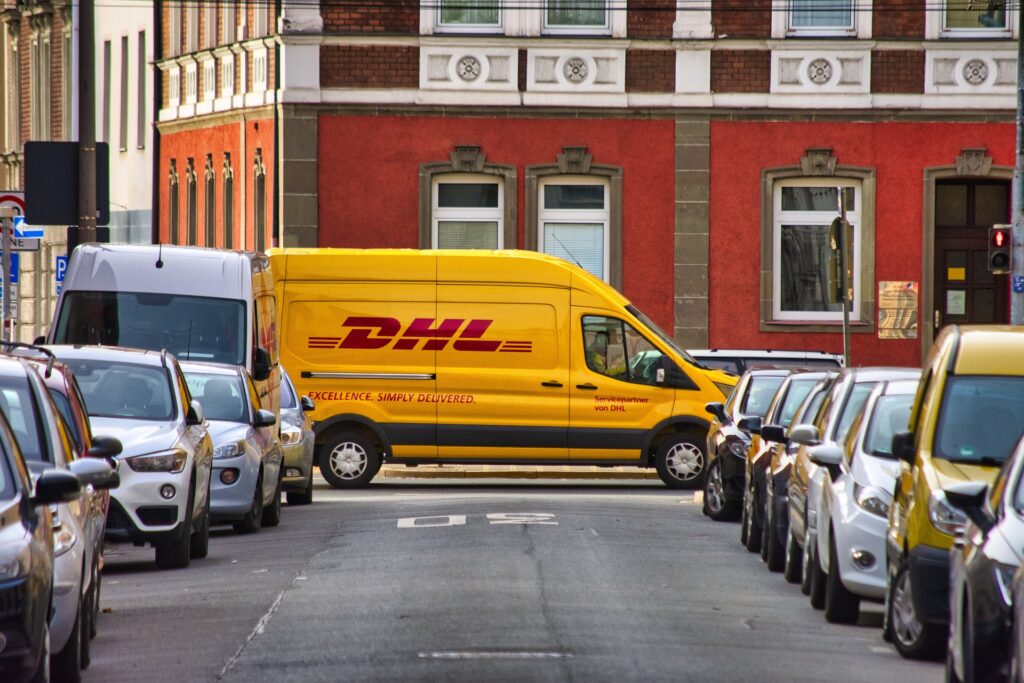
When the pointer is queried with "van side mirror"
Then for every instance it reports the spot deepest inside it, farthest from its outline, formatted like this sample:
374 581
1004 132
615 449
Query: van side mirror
674 377
751 425
96 473
805 435
307 404
969 498
264 418
718 410
903 447
195 415
104 447
261 364
56 486
775 434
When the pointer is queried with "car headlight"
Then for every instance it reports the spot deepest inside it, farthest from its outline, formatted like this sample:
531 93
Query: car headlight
944 516
18 566
290 435
738 448
229 450
871 499
1004 579
165 461
64 537
726 389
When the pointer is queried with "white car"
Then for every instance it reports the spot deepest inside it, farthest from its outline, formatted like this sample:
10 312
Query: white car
738 361
141 398
855 497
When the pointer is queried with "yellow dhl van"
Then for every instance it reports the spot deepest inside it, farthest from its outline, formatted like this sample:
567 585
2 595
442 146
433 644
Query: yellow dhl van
480 357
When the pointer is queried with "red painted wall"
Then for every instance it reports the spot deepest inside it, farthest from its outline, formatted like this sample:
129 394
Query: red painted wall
369 181
899 153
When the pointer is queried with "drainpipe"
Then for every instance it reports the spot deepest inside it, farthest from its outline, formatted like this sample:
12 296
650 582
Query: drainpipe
158 89
278 238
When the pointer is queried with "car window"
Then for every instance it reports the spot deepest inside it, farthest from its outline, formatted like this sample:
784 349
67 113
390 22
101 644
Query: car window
981 418
759 395
854 402
889 416
615 349
124 390
254 396
288 397
64 407
220 395
8 489
19 408
795 395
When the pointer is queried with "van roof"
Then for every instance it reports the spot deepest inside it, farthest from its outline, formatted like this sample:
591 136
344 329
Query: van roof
466 265
990 350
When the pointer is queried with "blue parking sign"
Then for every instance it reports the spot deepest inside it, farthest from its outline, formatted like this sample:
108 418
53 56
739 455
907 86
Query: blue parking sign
15 268
1018 284
61 268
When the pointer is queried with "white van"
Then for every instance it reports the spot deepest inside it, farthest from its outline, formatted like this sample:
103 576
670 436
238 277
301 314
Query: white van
200 304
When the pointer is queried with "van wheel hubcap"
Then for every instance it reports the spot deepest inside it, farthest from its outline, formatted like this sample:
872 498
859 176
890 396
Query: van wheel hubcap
905 625
684 461
348 460
714 489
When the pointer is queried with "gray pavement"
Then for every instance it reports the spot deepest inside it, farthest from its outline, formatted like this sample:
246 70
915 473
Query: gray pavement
489 580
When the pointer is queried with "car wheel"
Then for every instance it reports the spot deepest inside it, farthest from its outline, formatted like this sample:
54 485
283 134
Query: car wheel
253 520
88 616
66 665
97 590
913 639
302 497
272 514
951 676
753 543
817 594
680 462
792 569
349 460
771 548
805 565
177 554
841 606
200 547
744 520
42 673
716 505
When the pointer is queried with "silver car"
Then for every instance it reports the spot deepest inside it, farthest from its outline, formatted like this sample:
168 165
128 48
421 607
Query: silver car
247 452
297 438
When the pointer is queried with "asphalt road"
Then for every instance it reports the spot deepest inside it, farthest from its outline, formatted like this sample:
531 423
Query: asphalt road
472 581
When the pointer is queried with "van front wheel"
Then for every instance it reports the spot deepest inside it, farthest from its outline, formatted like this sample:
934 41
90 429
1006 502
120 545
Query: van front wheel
349 460
680 462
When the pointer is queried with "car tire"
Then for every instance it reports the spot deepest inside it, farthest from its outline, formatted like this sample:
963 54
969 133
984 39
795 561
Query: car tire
772 550
349 460
66 665
253 520
42 672
272 513
912 639
744 520
818 578
178 554
950 675
304 497
200 546
717 505
753 543
97 590
88 626
791 569
841 606
806 565
680 462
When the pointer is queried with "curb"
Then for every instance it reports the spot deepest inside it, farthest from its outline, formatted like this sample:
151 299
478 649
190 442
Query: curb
512 472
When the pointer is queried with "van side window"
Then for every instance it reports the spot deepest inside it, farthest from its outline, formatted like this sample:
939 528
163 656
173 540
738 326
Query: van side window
615 349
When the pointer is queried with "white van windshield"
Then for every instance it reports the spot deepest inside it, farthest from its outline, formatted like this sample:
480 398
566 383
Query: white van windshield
190 327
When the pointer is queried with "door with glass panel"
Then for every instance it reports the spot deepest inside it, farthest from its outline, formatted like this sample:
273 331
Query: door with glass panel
965 290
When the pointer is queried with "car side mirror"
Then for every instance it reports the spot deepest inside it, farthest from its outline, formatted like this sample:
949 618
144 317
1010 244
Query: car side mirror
56 486
825 454
307 404
903 447
805 435
96 473
969 498
751 424
264 418
261 364
195 415
104 447
718 410
774 433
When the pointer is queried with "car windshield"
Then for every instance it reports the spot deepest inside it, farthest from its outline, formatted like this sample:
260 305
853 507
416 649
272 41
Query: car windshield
19 408
890 415
124 390
795 395
980 420
190 327
759 394
854 402
222 396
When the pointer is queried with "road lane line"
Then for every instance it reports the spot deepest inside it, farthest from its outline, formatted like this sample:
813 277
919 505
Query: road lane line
469 654
258 630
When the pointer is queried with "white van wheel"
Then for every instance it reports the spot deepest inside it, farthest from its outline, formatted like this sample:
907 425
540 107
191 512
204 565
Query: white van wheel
680 462
349 460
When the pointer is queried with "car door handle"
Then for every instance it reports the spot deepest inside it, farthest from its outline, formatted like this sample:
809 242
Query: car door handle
556 385
588 386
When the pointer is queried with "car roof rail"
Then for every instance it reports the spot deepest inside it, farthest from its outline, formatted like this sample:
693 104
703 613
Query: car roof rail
32 347
163 358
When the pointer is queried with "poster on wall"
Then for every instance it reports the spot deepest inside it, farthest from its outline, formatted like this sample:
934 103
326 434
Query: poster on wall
897 309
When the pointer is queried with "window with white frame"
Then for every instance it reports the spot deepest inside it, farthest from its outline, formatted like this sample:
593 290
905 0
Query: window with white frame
576 16
803 261
469 16
973 17
66 82
39 85
227 21
467 212
259 19
174 21
13 117
821 17
210 20
191 27
573 221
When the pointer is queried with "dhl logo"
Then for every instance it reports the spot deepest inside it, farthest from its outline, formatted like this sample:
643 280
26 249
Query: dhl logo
377 333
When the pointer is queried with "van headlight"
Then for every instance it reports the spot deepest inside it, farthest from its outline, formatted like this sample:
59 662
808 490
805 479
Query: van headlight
871 499
944 516
290 435
164 461
229 450
64 537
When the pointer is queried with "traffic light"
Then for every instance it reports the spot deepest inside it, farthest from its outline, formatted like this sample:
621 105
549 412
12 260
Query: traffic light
1000 249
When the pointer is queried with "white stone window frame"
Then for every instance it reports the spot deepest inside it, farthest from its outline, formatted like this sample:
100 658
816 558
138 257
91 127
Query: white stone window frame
192 27
781 217
861 24
174 18
527 19
611 9
434 25
569 216
935 27
440 214
228 27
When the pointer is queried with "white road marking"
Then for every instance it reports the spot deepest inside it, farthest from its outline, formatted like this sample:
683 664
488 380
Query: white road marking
881 649
594 531
259 571
417 523
698 497
521 518
260 626
483 654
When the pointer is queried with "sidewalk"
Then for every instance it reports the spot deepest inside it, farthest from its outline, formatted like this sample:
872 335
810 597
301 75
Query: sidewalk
513 472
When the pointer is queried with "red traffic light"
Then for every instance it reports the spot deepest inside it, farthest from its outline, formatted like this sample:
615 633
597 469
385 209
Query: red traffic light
999 238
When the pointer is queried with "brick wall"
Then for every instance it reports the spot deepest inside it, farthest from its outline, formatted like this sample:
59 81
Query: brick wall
650 70
740 70
742 18
369 66
905 22
650 18
353 16
897 71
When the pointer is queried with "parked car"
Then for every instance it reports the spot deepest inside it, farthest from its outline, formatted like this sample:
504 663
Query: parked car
738 361
729 439
984 560
298 439
141 398
830 426
855 499
247 453
967 417
26 558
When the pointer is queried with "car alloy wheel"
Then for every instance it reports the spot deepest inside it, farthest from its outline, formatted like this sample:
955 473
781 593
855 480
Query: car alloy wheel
713 493
912 638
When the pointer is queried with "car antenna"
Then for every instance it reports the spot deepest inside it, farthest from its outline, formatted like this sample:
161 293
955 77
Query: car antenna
159 255
188 346
555 237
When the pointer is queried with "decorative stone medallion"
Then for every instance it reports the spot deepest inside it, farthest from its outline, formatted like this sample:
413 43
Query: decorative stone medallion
575 70
468 68
819 71
975 72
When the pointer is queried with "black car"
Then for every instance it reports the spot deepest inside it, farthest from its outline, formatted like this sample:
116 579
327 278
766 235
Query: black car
981 578
26 559
729 437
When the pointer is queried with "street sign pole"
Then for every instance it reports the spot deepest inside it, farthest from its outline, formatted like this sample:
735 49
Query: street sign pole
7 221
1017 275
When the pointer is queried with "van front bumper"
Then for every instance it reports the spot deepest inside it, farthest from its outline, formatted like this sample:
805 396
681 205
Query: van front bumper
929 580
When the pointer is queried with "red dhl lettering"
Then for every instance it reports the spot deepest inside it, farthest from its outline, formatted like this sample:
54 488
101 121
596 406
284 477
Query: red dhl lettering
426 334
340 395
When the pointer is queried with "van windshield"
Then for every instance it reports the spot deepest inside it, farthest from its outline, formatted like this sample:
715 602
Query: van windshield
190 327
980 419
669 341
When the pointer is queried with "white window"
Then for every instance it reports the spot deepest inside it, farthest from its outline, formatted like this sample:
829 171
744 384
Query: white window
821 17
192 27
576 16
573 222
13 118
39 85
123 145
106 90
467 212
67 83
210 19
174 20
804 267
259 19
227 21
971 18
469 16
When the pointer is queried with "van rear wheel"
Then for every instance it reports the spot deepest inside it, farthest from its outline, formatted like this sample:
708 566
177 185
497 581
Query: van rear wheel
349 460
680 462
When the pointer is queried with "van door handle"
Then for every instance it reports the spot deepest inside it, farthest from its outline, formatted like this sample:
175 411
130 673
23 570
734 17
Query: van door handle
588 386
556 385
